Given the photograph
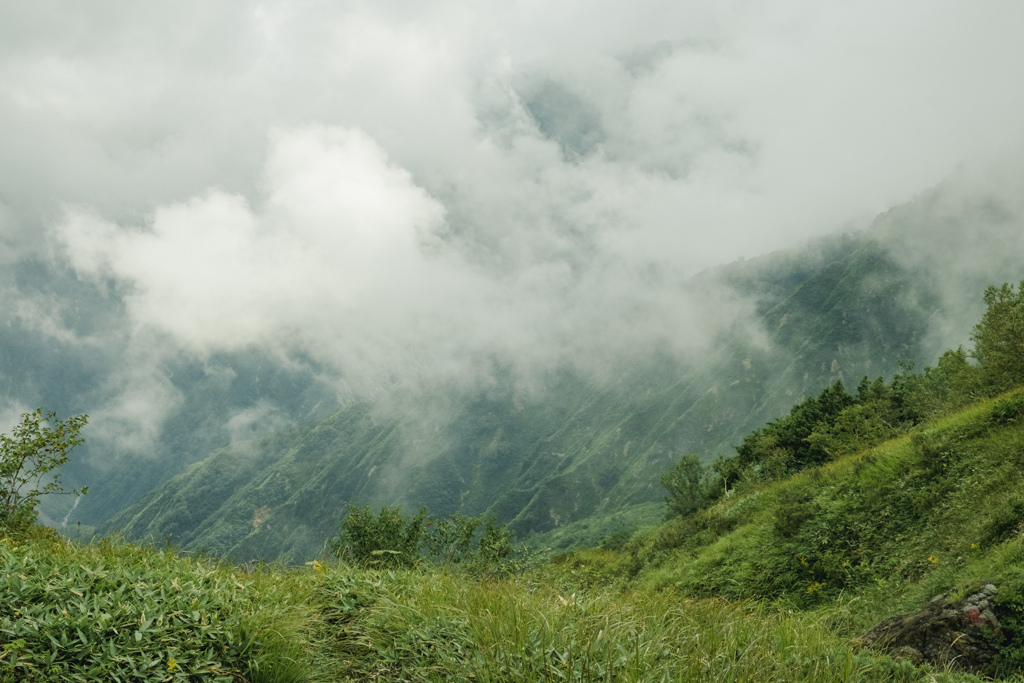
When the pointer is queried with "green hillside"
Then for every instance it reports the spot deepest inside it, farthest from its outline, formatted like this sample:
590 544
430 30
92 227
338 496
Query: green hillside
777 581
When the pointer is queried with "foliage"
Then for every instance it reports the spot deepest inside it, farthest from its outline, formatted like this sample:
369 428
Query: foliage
999 337
688 486
389 540
618 540
919 510
835 424
117 613
39 444
451 540
782 447
952 384
878 414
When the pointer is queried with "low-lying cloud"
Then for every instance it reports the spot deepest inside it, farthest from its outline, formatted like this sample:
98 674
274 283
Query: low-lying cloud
342 258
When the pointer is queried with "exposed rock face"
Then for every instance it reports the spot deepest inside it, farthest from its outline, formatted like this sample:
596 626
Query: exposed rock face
963 634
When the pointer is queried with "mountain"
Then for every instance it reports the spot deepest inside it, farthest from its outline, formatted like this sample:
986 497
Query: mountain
543 453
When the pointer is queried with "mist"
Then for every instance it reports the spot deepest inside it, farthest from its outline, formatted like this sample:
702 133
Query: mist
290 206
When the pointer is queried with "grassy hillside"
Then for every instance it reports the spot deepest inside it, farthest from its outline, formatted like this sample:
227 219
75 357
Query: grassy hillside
775 578
924 506
773 582
110 612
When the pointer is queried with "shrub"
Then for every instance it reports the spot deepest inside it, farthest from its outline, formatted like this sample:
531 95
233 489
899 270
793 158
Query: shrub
782 446
390 540
1005 521
384 540
618 540
687 485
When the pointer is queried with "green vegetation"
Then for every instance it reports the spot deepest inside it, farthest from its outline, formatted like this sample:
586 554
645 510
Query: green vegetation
846 511
999 337
822 429
113 612
390 540
110 612
36 446
562 447
771 581
688 486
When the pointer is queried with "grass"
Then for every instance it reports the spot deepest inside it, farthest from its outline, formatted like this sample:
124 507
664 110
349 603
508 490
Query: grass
116 612
506 633
770 584
901 511
113 611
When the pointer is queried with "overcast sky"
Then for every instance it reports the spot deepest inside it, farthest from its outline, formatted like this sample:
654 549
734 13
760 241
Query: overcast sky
376 183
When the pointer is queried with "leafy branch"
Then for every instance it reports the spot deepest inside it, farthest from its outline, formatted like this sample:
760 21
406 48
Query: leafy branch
39 444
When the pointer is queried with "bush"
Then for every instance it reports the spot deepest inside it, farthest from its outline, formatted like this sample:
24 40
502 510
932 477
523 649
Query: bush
782 447
450 540
1005 521
384 540
618 540
390 540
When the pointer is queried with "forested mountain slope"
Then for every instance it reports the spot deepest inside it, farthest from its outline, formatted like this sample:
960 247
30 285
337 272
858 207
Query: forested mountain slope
545 453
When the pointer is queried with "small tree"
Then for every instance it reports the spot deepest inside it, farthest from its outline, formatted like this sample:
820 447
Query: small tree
36 447
999 337
687 486
496 543
451 540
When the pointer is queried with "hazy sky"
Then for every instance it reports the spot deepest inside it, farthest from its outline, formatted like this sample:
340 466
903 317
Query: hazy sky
378 183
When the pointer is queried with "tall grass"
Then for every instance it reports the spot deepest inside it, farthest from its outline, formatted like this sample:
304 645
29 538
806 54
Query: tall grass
117 612
829 552
441 627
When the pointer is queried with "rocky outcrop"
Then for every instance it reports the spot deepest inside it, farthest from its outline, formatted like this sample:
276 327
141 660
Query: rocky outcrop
963 634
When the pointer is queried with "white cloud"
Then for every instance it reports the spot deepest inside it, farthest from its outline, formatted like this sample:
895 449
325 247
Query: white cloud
721 128
409 184
338 226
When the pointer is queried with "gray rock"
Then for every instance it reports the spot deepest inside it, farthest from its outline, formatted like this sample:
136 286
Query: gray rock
959 634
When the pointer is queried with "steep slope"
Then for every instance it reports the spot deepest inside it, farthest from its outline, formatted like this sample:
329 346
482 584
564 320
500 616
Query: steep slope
545 451
939 506
541 458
